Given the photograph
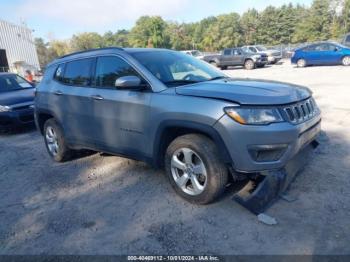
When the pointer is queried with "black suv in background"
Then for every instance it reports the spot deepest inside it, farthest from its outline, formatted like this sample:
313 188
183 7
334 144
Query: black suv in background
237 57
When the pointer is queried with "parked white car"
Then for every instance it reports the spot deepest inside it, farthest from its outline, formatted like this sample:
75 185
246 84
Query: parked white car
273 55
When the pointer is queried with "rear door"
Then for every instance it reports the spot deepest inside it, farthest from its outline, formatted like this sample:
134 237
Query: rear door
238 57
120 116
70 99
311 54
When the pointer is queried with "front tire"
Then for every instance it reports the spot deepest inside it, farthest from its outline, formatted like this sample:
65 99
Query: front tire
55 142
346 61
194 169
249 64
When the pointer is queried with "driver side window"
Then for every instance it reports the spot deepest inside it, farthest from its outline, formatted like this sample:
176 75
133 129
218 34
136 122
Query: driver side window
109 69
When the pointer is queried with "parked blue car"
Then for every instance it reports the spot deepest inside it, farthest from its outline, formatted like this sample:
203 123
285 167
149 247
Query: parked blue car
322 53
16 101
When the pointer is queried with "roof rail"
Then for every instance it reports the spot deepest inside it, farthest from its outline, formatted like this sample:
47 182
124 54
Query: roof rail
95 49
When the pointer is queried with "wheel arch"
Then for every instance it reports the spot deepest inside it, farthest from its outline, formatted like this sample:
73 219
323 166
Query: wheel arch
170 130
41 116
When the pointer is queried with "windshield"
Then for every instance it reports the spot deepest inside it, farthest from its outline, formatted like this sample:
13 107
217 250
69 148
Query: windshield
175 68
13 82
261 48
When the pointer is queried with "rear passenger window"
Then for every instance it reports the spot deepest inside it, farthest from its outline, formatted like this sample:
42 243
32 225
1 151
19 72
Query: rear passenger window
110 68
78 72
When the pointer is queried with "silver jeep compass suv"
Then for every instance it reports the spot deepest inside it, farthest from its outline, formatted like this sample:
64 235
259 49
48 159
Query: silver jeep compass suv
170 109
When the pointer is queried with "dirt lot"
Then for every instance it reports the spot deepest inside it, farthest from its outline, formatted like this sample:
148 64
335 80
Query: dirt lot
109 205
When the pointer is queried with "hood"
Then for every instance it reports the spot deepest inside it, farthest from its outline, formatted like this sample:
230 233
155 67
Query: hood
17 97
247 91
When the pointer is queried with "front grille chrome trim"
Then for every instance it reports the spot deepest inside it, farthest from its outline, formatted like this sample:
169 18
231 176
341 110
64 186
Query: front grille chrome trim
301 111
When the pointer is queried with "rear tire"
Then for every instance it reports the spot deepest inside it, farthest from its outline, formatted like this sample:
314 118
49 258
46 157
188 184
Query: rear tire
346 61
55 142
249 64
301 63
194 169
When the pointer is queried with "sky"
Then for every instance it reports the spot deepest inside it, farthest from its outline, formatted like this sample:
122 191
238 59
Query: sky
60 19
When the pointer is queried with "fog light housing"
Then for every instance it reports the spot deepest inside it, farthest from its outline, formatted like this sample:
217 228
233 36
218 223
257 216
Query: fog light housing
267 153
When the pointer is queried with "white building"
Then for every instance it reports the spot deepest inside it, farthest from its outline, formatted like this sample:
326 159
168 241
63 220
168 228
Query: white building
17 49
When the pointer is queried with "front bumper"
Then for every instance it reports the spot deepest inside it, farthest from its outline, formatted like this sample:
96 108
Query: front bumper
260 192
240 139
261 61
17 117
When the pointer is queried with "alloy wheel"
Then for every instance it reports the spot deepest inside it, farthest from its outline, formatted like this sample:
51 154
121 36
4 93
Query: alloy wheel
188 171
346 61
51 140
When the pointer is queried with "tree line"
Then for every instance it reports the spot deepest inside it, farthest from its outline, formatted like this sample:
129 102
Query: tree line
288 24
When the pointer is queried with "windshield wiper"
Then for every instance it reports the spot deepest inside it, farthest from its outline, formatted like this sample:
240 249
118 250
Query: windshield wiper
218 77
180 82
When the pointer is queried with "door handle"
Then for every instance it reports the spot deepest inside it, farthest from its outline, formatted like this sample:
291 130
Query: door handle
58 92
97 97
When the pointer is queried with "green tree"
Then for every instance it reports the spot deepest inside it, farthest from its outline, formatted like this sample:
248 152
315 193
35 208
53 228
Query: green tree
42 51
345 17
85 41
249 23
317 23
122 38
149 31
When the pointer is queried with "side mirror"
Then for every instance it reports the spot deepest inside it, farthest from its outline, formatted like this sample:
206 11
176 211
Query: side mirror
128 82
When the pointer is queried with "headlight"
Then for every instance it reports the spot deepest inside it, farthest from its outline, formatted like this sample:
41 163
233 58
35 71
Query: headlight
5 108
254 116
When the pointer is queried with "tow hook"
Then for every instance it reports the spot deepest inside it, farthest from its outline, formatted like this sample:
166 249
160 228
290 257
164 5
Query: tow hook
262 190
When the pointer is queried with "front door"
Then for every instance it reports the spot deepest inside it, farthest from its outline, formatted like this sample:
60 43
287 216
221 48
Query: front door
120 116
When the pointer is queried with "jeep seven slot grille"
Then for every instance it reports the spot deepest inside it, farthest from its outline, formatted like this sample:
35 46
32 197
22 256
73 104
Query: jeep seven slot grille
301 111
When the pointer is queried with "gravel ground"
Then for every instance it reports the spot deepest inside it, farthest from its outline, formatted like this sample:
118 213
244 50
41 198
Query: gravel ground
102 204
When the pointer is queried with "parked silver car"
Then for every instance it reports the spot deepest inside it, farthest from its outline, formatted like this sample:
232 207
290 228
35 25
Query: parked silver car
273 55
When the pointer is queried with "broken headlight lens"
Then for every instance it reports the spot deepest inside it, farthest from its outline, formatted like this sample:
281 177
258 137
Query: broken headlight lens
254 116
